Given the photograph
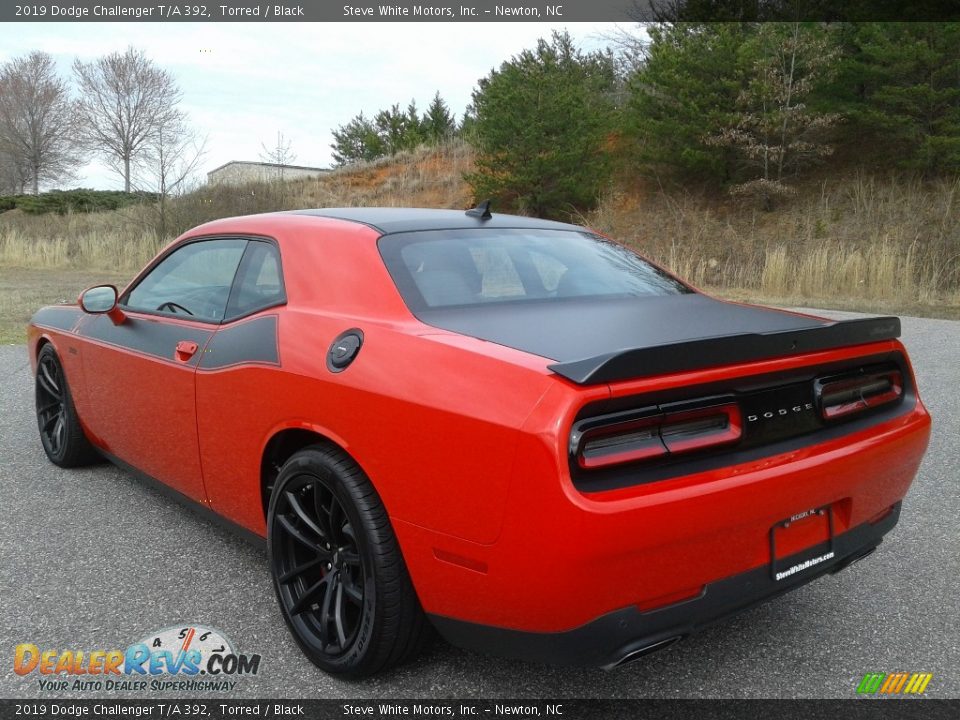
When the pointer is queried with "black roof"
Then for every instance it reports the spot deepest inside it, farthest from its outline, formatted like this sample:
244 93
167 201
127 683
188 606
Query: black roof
394 220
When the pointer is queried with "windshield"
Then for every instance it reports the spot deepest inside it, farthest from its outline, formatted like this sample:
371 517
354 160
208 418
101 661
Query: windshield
447 268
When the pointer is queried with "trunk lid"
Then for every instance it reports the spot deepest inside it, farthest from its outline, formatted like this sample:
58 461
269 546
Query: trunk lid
601 340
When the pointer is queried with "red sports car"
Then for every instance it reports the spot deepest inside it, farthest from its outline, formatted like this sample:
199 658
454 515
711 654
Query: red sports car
515 431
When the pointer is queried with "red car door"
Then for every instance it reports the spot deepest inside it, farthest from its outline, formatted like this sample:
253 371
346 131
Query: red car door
140 374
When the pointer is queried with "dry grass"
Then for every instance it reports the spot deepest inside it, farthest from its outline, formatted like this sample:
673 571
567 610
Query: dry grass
94 250
429 177
863 238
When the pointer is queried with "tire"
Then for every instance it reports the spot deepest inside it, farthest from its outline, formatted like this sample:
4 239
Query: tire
61 434
339 576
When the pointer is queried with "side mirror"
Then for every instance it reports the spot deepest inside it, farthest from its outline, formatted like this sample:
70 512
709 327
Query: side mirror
102 300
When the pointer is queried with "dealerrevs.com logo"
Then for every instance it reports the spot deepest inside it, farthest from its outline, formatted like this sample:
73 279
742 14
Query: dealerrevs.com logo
189 658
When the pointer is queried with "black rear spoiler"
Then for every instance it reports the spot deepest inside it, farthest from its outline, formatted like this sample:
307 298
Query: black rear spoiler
725 350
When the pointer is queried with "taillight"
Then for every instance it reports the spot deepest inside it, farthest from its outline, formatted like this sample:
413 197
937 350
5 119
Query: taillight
633 440
621 443
702 428
842 397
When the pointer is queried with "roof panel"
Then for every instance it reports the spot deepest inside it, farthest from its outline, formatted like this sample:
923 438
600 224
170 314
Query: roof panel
393 220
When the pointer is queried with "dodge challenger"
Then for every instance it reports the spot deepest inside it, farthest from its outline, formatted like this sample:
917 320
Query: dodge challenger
513 432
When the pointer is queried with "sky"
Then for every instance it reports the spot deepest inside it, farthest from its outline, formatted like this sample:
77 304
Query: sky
243 83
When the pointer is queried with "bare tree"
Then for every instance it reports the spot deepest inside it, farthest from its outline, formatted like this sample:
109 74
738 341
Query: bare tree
13 177
629 46
124 98
280 154
37 122
777 133
167 167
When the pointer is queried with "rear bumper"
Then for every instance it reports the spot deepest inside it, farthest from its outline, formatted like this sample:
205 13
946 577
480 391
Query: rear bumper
628 633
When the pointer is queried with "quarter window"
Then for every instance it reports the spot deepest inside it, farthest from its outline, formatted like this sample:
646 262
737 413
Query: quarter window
259 283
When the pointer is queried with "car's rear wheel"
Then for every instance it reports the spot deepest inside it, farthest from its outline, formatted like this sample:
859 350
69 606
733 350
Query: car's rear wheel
337 569
60 431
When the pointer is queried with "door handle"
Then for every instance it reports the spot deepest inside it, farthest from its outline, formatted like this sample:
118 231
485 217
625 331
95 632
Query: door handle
186 350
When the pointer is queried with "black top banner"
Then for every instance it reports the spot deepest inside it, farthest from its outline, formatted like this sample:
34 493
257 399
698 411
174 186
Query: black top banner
430 709
626 11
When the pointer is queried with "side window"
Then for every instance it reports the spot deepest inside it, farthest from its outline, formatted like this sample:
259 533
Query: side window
259 282
193 281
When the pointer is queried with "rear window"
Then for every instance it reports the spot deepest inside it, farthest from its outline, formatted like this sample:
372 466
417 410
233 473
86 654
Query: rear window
448 268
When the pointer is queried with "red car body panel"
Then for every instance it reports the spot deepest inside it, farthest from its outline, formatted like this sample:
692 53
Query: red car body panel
151 419
473 473
658 540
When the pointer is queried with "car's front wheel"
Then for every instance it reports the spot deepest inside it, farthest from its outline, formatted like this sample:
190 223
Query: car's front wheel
61 434
337 569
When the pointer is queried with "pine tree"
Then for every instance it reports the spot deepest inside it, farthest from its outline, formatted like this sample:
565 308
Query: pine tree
398 129
467 129
899 84
541 124
685 90
414 132
356 141
438 122
391 131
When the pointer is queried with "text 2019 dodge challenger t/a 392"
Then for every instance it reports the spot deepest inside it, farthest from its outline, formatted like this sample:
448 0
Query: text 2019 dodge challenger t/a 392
513 430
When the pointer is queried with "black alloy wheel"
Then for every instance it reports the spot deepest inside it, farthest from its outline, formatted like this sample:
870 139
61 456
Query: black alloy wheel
340 580
61 434
320 571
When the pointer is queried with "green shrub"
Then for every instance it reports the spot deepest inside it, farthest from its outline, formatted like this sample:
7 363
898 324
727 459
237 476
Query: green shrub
80 200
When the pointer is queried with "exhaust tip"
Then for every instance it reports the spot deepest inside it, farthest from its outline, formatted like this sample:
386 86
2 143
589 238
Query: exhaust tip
847 563
640 652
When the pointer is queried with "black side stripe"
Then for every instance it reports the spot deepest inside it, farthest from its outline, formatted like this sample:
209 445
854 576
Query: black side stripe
57 318
253 341
149 337
249 342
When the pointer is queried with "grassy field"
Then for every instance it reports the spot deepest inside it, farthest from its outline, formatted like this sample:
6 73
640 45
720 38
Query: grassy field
24 290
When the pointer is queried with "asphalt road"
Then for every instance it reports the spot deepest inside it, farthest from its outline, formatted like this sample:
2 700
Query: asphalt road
94 559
